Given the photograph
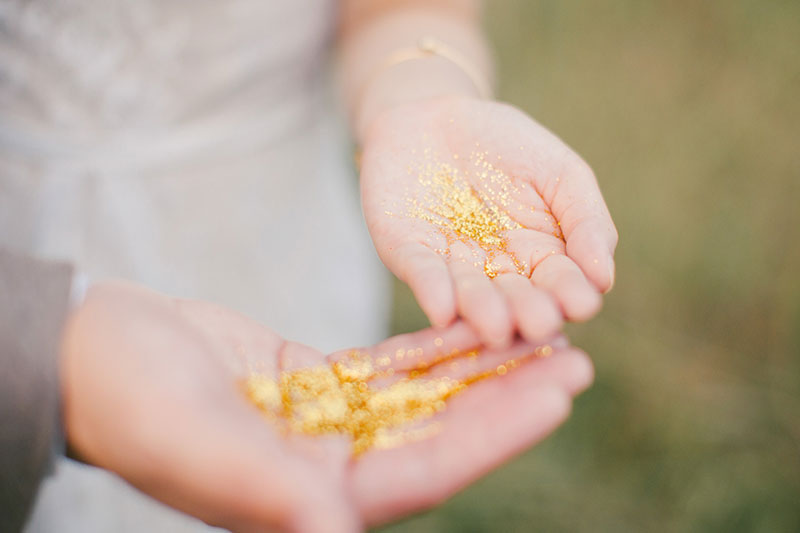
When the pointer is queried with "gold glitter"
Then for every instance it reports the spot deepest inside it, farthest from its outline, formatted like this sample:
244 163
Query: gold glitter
543 351
462 212
338 399
490 269
317 401
458 207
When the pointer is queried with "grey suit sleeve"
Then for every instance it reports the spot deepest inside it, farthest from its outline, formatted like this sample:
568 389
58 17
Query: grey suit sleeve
34 299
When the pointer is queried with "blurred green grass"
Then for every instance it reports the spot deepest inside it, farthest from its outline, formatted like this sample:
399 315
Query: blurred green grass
688 112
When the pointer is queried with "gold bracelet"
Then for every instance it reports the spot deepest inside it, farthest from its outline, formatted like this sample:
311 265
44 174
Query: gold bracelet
430 47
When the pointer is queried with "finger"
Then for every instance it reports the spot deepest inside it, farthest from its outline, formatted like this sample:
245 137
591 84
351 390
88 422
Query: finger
484 426
586 223
418 349
558 274
570 368
531 247
536 313
480 303
457 356
565 366
588 245
426 273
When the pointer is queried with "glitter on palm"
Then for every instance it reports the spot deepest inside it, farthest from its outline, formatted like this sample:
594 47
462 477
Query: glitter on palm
342 399
339 399
461 212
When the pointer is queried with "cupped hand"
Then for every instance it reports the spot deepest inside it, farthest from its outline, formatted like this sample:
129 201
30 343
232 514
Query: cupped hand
152 390
486 215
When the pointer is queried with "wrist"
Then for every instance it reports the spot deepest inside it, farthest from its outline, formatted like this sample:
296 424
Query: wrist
413 81
429 69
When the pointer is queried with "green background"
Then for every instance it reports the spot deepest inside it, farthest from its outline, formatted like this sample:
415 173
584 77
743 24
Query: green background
688 112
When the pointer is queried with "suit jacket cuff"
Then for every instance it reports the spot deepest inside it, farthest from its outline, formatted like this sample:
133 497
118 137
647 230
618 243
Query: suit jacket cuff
34 301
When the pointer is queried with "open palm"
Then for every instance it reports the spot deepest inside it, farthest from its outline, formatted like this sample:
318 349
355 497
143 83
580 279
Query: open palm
153 392
481 427
487 215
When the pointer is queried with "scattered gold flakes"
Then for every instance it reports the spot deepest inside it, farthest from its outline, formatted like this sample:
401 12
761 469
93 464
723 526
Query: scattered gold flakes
456 206
490 269
339 399
543 351
464 213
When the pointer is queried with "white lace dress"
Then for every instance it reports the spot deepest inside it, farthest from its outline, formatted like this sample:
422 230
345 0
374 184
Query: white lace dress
189 145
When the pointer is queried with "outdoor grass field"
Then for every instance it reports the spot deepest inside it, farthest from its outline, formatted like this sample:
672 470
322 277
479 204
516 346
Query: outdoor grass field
689 112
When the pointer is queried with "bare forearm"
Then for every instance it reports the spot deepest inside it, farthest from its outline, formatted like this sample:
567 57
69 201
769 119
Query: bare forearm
372 31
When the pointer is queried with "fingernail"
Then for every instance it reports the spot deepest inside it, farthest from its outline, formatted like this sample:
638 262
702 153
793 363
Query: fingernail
611 276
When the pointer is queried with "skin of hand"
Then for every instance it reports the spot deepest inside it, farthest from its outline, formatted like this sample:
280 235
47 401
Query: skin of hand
151 391
551 194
